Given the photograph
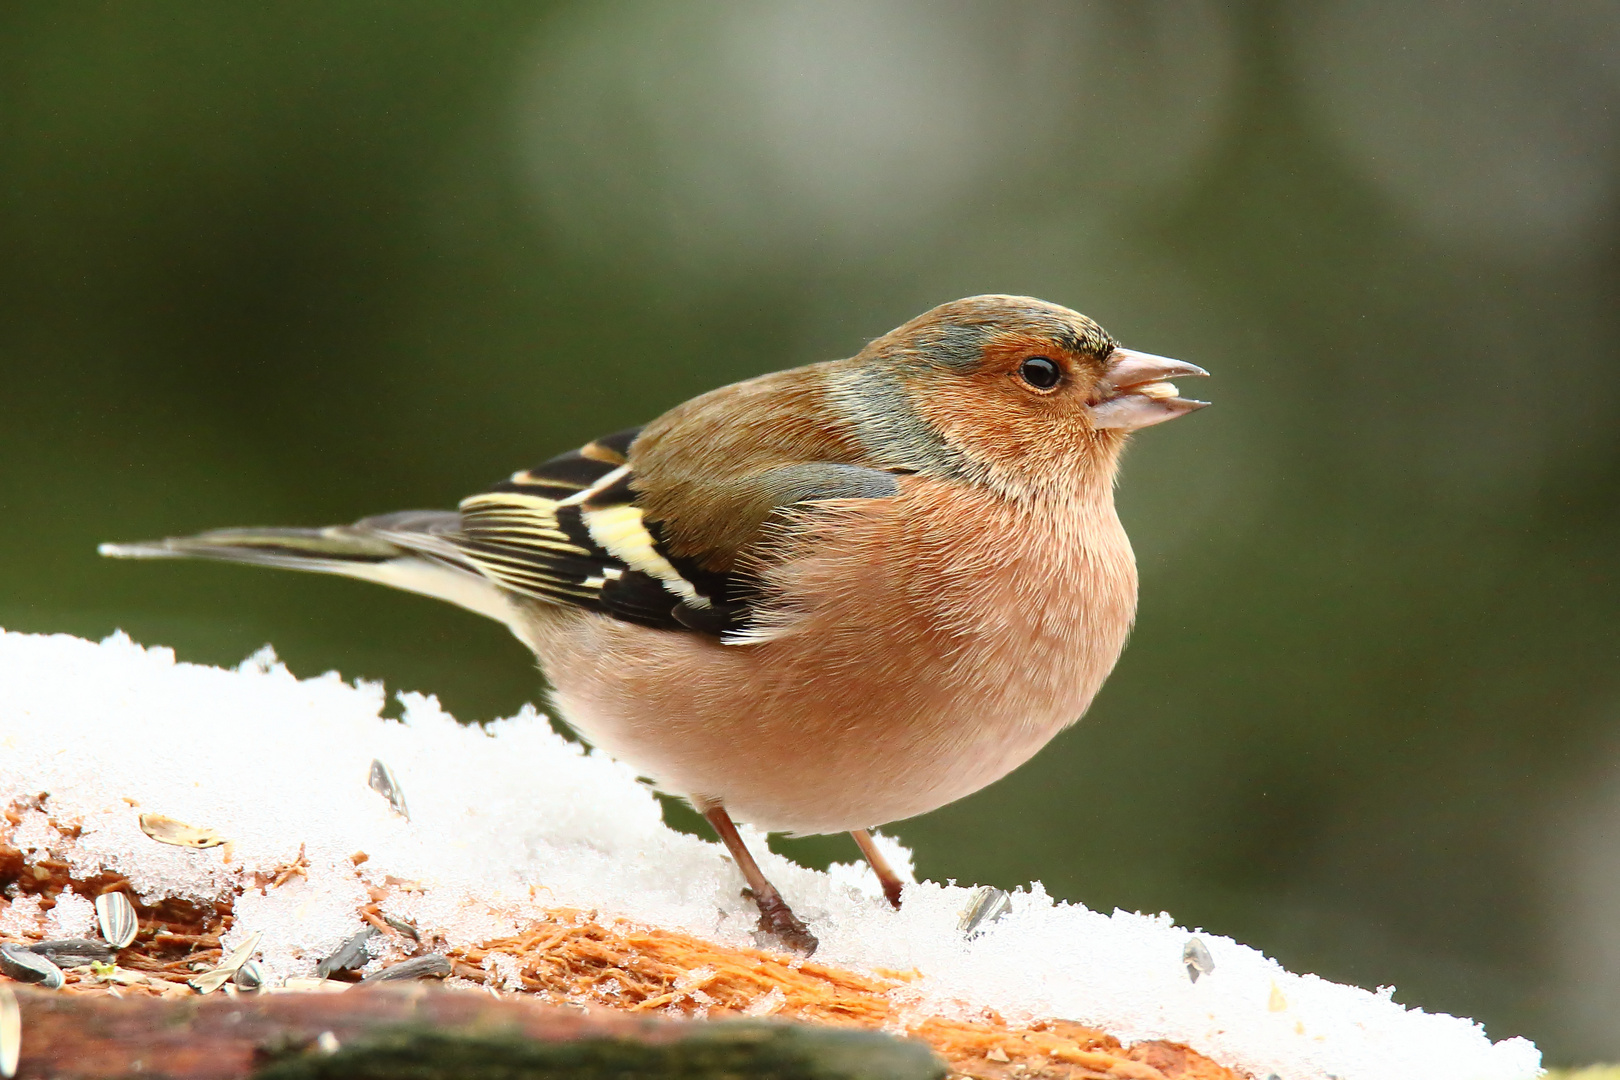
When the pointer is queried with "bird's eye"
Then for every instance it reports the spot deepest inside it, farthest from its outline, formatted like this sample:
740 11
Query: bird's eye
1040 372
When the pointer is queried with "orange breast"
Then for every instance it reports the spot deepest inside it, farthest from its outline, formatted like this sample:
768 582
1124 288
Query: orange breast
927 645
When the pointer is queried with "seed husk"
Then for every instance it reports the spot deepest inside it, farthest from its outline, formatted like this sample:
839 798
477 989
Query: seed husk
350 955
214 978
10 1032
249 977
986 905
403 927
25 965
166 830
126 977
304 985
431 966
1196 956
74 952
382 781
117 919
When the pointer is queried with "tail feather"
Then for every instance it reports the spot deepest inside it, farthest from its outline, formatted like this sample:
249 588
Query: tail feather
406 550
294 548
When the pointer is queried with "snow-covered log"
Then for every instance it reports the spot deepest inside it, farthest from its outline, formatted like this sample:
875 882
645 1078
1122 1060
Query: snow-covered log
248 807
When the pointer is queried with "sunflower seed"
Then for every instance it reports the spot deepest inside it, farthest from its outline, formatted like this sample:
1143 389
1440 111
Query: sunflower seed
214 978
74 952
27 966
1197 959
403 927
249 977
350 955
117 919
430 966
166 830
986 905
383 783
10 1033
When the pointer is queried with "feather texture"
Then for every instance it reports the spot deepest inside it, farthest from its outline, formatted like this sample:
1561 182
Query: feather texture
824 598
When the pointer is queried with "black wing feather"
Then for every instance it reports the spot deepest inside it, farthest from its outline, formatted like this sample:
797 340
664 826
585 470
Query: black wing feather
570 531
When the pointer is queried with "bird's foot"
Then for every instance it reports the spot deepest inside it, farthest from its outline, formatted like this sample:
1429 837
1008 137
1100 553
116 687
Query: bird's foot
779 927
892 885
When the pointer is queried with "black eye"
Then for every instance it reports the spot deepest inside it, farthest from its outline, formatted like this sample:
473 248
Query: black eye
1039 372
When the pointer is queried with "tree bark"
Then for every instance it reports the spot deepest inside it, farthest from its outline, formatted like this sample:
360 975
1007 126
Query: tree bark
428 1033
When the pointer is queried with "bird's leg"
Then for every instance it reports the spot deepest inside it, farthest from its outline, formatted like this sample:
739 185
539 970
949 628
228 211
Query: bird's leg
775 917
885 873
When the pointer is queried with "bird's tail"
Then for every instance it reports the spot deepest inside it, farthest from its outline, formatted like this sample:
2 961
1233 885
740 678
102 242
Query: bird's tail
408 550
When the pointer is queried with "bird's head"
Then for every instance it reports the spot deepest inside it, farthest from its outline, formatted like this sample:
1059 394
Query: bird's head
1014 386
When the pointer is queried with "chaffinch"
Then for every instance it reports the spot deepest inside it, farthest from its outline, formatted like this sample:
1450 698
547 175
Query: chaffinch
819 600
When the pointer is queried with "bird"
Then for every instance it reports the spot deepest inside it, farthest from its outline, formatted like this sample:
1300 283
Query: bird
820 600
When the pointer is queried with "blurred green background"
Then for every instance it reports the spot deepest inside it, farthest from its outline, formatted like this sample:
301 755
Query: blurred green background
296 263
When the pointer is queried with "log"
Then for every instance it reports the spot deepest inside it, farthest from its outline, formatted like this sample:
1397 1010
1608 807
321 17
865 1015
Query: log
419 1032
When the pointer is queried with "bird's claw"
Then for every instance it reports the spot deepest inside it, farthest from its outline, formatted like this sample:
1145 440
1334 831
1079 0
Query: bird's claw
779 927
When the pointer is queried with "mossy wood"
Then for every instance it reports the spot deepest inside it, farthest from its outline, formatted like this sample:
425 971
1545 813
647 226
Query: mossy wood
422 1033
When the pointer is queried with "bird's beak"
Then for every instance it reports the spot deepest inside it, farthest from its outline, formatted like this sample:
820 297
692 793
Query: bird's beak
1135 391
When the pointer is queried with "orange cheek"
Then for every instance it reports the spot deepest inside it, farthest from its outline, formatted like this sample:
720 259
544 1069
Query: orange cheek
999 422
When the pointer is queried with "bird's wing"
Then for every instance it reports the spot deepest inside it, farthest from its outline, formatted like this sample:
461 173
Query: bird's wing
576 530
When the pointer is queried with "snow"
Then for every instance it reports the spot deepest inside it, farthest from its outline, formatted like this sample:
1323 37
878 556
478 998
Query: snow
510 819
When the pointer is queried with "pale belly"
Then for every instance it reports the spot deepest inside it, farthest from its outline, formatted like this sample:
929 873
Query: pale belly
931 652
790 749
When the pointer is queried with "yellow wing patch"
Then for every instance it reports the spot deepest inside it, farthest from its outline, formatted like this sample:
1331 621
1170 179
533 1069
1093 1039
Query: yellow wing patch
621 533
